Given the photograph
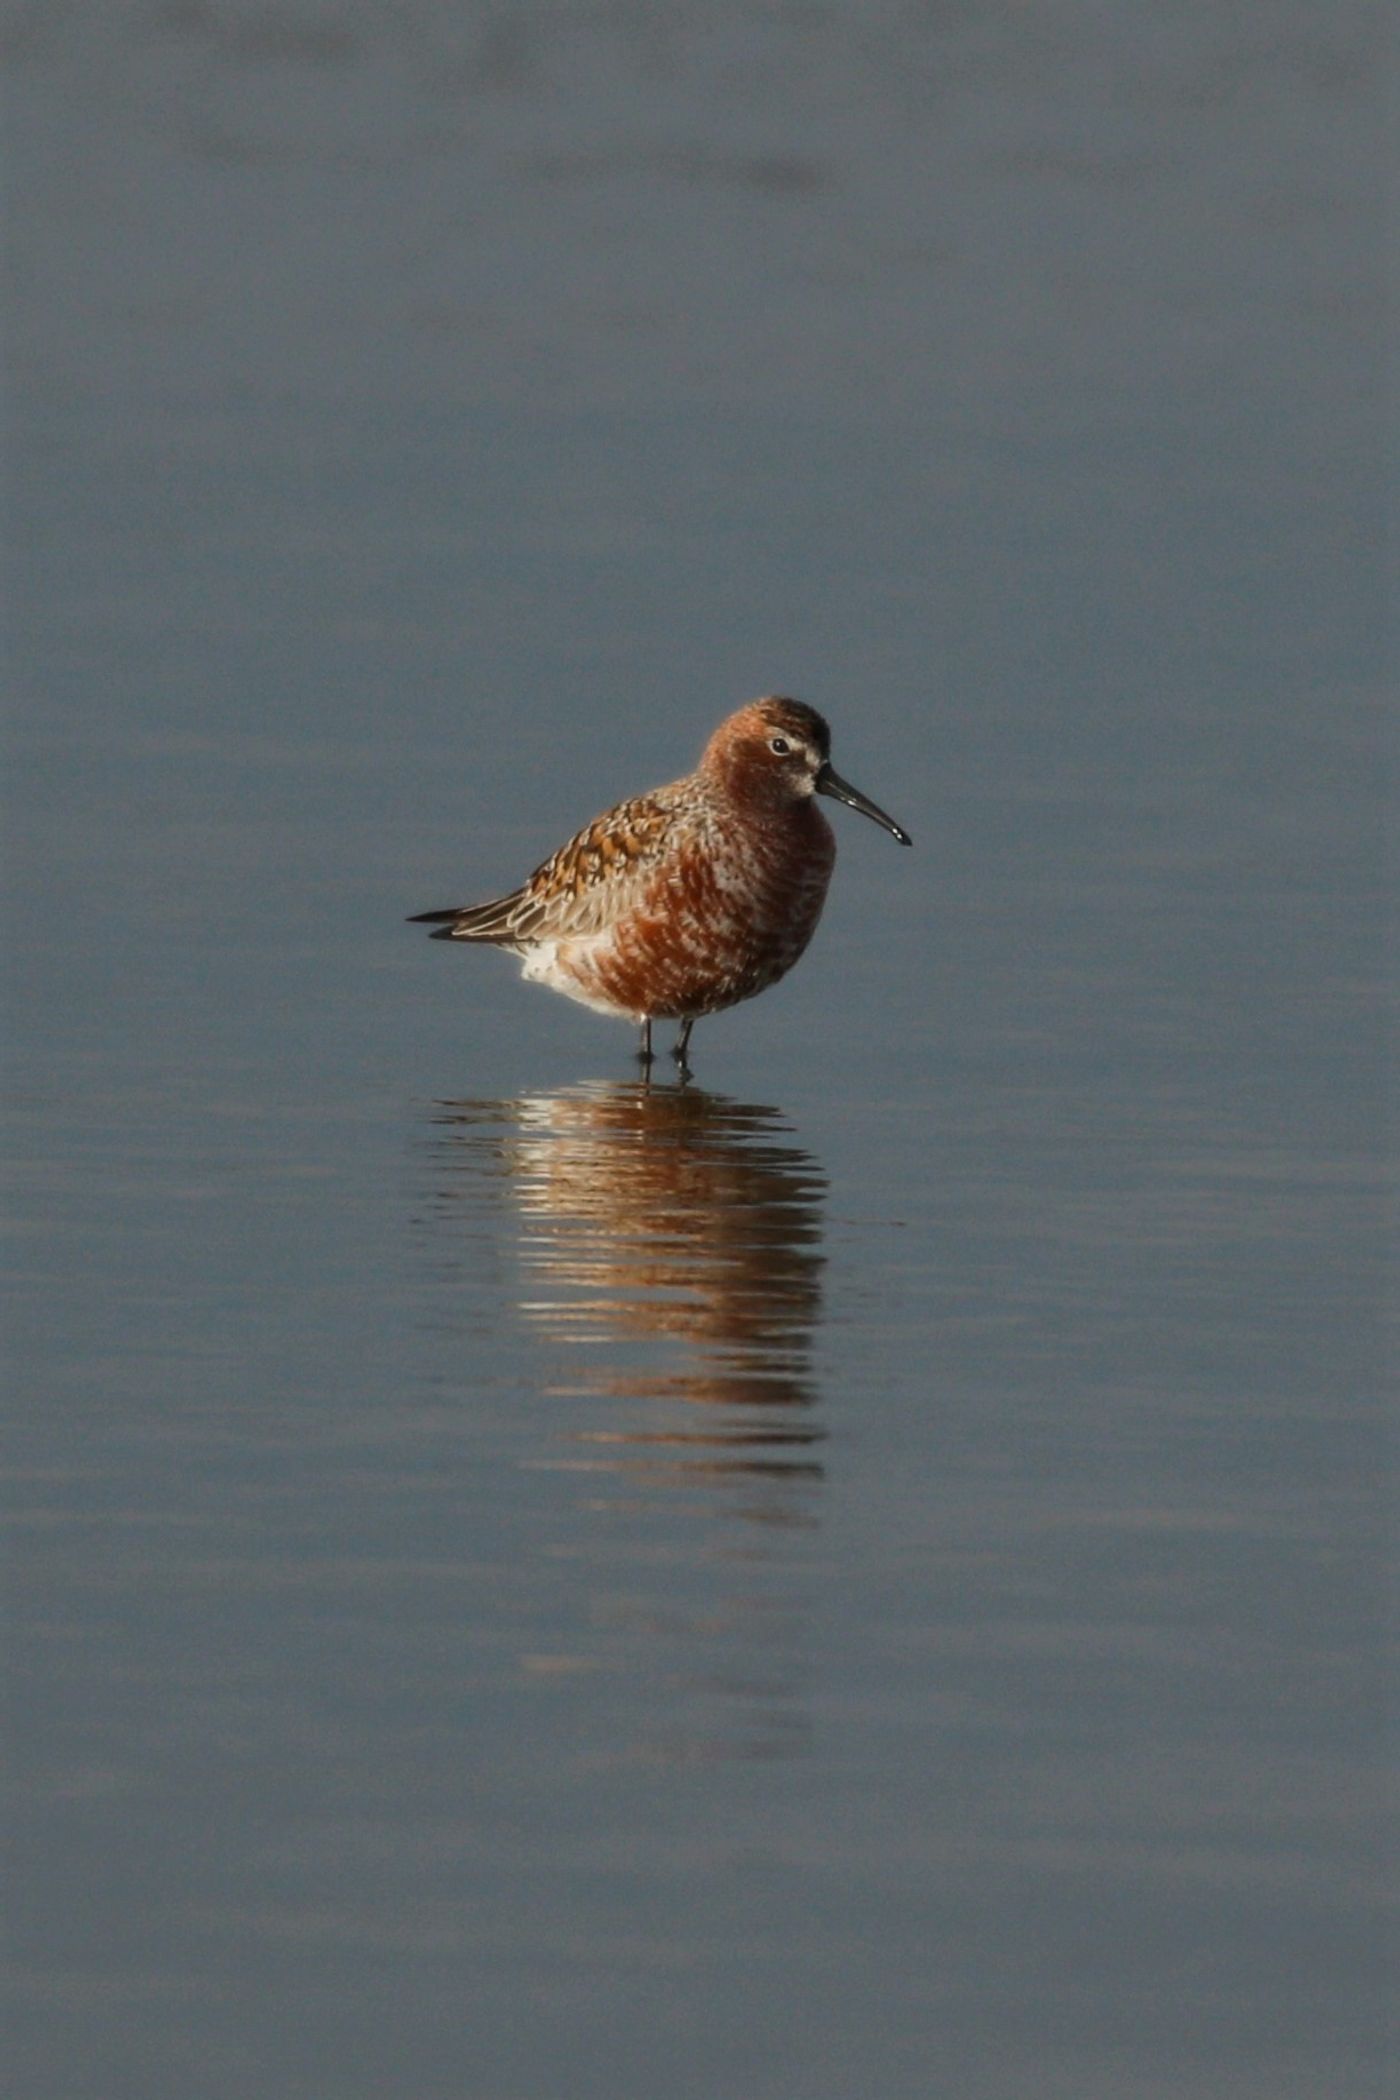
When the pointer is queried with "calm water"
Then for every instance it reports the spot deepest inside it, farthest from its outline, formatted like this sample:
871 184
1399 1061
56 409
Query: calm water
866 1574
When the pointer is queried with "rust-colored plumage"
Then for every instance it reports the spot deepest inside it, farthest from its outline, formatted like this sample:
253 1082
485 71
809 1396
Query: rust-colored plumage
684 901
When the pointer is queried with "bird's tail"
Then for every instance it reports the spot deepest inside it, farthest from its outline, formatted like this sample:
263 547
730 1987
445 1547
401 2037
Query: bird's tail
472 922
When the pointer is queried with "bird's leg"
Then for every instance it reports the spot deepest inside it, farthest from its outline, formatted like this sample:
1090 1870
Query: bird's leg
644 1047
682 1044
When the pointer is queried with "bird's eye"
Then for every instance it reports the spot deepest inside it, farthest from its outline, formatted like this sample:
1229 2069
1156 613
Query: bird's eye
779 744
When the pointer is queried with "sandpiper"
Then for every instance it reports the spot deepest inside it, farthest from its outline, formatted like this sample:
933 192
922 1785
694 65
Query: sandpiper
686 900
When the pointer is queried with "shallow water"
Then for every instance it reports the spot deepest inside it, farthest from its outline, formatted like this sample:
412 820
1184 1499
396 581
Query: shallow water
865 1573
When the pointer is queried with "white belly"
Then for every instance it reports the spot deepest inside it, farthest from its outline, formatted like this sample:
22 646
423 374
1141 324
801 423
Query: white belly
544 965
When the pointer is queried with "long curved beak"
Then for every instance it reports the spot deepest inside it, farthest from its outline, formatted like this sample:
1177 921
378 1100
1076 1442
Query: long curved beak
829 782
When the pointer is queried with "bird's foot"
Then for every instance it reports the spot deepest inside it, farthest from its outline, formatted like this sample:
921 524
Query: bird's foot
682 1044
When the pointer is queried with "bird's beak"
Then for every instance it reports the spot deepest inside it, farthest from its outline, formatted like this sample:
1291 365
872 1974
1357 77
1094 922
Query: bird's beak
829 782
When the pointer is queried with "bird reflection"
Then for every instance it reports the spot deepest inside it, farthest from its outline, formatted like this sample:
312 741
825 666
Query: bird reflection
670 1260
668 1216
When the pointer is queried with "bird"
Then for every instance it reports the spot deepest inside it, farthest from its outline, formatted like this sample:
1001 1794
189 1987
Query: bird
684 901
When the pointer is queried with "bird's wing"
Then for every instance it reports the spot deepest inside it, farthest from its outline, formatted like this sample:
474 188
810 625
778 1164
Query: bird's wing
590 882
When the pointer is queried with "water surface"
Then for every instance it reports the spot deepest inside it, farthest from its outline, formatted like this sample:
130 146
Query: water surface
864 1574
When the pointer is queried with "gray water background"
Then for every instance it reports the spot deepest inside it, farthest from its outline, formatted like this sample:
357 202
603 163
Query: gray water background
866 1576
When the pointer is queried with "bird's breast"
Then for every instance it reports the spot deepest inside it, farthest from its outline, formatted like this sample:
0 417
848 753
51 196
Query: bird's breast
725 915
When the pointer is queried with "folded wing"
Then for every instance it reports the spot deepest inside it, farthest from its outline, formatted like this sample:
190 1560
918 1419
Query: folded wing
582 889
